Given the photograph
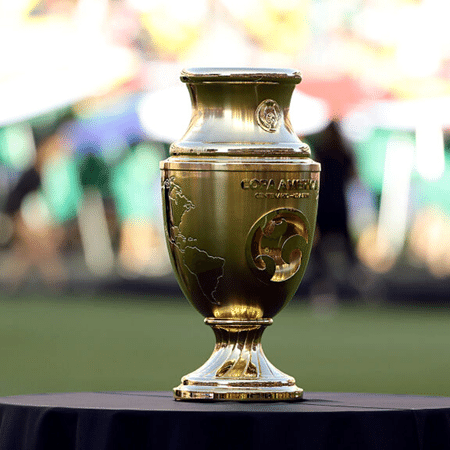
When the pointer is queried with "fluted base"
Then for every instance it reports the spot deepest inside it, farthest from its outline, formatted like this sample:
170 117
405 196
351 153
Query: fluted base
238 368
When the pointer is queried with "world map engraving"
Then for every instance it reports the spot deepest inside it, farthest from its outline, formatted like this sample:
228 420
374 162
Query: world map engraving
206 269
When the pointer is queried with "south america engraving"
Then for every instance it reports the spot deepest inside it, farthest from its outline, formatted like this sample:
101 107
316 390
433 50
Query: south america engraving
206 269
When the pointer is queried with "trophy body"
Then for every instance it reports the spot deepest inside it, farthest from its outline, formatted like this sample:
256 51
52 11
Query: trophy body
240 196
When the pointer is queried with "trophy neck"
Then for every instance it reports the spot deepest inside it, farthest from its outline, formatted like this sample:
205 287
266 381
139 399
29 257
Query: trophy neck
240 111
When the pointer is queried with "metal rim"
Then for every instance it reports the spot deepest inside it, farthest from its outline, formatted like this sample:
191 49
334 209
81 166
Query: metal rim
292 165
238 74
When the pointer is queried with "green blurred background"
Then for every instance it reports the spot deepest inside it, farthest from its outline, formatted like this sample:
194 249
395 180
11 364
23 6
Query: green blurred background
90 102
142 343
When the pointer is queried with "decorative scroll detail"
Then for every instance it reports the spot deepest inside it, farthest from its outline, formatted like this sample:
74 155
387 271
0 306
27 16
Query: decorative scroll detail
276 244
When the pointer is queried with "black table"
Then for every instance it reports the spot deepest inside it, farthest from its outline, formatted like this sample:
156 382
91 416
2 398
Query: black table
153 420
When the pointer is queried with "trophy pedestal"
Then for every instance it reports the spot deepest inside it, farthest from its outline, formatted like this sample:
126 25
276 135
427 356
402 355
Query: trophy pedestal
238 368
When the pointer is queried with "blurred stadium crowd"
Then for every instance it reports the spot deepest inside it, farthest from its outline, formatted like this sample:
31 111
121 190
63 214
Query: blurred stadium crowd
91 102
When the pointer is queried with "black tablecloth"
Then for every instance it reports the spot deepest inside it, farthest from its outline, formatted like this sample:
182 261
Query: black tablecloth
153 420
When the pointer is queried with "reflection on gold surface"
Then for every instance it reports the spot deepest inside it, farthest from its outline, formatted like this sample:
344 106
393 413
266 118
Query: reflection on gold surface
238 311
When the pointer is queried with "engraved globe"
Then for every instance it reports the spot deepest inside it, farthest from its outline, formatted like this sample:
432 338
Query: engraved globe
240 195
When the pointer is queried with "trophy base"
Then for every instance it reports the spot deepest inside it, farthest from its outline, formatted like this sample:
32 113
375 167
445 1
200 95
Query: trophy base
238 370
235 393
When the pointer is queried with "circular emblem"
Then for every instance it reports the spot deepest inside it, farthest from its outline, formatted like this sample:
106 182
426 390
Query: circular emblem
276 245
268 115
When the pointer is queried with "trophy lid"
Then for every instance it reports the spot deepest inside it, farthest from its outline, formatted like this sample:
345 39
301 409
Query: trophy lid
248 74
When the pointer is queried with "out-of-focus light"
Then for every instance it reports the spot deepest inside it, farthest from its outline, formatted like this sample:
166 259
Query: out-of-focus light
134 182
393 213
430 241
375 250
278 26
179 10
94 233
157 107
17 148
223 45
142 250
367 24
113 148
380 244
61 186
404 115
308 114
74 63
16 10
241 8
174 25
430 157
35 212
414 53
90 16
361 207
6 229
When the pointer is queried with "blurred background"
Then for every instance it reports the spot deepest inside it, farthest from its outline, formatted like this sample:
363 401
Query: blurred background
90 100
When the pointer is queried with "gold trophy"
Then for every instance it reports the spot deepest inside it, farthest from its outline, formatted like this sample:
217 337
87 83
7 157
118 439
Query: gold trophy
240 195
